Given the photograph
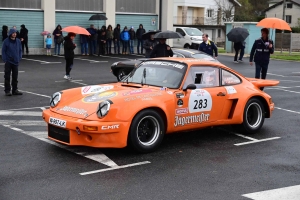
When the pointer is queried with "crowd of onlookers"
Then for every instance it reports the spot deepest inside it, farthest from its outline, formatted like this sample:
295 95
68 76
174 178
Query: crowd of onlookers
22 35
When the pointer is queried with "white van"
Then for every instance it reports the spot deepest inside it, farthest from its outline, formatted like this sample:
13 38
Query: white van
192 37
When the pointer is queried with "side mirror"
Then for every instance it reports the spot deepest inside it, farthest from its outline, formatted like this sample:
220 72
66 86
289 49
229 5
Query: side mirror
190 87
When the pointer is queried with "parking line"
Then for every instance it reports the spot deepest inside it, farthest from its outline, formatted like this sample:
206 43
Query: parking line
66 80
118 57
20 113
42 62
288 110
114 168
18 71
32 93
256 141
273 88
45 107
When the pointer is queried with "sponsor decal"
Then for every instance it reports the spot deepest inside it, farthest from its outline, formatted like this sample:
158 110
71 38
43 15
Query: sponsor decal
134 92
181 121
180 102
200 100
230 90
179 95
176 65
74 110
169 92
143 96
147 99
181 111
99 97
116 126
95 89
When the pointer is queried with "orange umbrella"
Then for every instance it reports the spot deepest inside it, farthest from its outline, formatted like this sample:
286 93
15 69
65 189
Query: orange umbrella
76 29
274 23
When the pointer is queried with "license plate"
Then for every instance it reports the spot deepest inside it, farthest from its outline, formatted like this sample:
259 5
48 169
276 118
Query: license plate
58 122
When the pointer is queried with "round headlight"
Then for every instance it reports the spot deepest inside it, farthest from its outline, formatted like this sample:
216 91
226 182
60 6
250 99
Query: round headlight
55 99
103 109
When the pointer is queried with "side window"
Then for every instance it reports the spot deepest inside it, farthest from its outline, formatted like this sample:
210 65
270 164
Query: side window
203 77
229 78
179 30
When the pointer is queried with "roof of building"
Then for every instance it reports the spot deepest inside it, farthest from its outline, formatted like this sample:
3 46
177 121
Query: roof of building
297 2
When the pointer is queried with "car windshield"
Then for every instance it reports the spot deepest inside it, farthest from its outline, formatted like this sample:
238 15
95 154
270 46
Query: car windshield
158 73
193 31
203 57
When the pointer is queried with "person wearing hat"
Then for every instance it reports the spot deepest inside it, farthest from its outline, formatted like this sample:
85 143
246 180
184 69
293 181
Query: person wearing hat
131 41
11 55
24 38
139 32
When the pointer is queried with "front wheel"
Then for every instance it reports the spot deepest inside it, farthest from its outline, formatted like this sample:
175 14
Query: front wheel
121 74
146 131
254 117
187 46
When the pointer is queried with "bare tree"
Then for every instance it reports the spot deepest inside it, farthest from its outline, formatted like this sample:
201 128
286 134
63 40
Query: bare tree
225 11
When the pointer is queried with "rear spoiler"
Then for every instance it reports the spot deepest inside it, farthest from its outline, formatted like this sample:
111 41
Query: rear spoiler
262 82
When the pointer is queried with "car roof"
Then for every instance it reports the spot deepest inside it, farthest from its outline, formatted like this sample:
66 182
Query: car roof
190 61
191 51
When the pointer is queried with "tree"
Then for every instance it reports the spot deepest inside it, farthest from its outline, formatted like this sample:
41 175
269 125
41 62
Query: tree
225 11
251 10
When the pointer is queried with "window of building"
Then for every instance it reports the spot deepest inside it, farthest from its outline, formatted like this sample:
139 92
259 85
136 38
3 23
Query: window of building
29 4
136 6
219 33
79 5
289 5
210 13
288 19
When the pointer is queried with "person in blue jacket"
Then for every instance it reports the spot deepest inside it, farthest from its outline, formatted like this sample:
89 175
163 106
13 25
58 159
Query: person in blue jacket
11 56
125 37
261 50
208 46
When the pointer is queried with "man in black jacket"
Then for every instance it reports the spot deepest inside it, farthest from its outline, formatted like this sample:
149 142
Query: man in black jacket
149 45
139 32
69 47
161 50
117 33
24 38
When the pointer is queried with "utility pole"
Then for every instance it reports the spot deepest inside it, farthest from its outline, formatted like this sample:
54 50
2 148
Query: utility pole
283 18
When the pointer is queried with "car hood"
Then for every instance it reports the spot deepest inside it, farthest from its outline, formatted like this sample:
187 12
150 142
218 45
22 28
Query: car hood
83 102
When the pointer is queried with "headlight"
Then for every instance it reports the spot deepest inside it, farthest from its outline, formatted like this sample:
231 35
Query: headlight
193 38
115 63
55 99
103 109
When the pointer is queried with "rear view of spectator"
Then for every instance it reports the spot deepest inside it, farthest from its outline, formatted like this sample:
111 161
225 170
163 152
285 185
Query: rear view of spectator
92 39
84 44
237 47
139 32
125 37
109 38
117 33
24 38
4 32
57 34
132 38
101 40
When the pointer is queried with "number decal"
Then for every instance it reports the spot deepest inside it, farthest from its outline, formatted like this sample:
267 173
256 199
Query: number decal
200 100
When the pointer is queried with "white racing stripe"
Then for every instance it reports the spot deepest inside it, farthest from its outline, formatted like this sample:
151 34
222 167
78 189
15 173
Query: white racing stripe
286 193
114 168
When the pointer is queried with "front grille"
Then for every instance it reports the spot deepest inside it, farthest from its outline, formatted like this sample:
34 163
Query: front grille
59 133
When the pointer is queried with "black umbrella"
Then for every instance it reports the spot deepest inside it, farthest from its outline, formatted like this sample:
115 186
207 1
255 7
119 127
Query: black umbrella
98 17
146 36
238 34
167 35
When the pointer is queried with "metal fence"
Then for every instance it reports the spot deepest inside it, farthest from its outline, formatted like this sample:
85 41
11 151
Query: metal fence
181 20
287 41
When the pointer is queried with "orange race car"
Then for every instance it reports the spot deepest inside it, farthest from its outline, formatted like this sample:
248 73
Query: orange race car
159 97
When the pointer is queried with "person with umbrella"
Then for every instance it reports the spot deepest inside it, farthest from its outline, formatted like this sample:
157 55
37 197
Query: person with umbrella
149 45
261 50
238 46
161 49
237 36
69 47
208 46
93 39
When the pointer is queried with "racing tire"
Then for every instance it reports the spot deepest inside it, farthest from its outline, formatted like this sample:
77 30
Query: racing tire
146 131
254 116
121 74
187 46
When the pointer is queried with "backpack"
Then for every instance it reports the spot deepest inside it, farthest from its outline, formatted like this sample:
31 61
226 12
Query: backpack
60 39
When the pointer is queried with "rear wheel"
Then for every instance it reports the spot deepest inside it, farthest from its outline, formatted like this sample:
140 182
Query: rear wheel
187 46
254 117
146 131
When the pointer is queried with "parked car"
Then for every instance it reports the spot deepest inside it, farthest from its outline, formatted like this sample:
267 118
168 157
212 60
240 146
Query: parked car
123 68
161 96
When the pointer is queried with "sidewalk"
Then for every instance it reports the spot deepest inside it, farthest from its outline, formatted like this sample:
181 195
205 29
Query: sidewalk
232 54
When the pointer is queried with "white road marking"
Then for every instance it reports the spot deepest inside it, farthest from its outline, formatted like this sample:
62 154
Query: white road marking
286 87
45 62
2 63
273 88
114 168
43 108
28 108
78 83
31 93
288 110
98 61
19 72
23 122
66 80
289 81
286 193
256 141
246 137
20 113
296 72
275 75
50 63
117 57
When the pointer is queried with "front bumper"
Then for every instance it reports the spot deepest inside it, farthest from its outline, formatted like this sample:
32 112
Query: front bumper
109 134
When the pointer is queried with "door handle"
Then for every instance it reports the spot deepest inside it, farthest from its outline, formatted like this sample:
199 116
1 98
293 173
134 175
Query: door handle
221 94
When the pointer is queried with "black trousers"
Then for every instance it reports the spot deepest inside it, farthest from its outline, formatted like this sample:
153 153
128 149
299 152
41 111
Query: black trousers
236 53
69 65
25 43
8 70
102 48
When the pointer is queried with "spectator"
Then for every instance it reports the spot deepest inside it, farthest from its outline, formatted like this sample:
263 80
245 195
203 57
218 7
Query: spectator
125 37
242 51
237 47
18 34
24 38
11 56
102 40
84 45
117 33
69 47
139 32
131 41
57 39
109 38
161 50
208 46
48 41
92 39
261 50
4 32
149 45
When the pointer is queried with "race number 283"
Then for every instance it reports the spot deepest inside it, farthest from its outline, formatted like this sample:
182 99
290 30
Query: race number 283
199 104
200 100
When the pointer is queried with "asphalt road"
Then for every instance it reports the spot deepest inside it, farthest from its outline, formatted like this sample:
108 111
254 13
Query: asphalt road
214 163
